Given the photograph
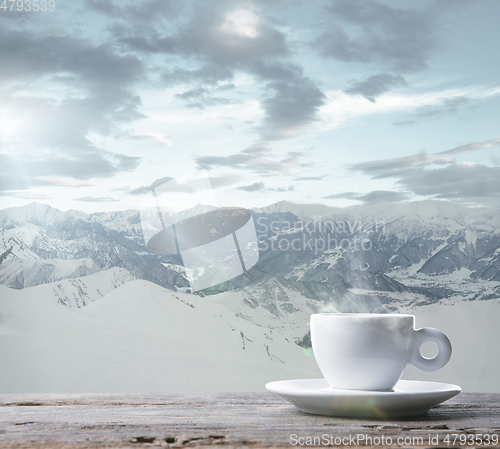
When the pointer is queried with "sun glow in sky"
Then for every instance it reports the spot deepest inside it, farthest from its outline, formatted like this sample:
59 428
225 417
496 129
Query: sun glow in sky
241 23
334 102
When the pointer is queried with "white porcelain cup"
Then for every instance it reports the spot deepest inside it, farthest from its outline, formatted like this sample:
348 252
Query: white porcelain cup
365 351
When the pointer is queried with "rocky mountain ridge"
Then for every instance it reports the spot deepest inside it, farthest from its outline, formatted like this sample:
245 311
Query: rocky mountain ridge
361 258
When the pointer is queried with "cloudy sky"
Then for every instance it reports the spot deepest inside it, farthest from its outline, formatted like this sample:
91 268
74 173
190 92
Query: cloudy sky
331 101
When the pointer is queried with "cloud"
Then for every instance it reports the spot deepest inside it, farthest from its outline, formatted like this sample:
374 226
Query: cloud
382 196
261 187
155 137
63 125
342 108
208 74
57 89
237 160
225 35
67 182
255 187
342 196
224 39
146 189
416 163
216 182
446 107
375 85
439 175
147 11
371 32
201 91
94 199
395 167
220 34
376 196
102 6
201 97
457 181
28 54
490 144
254 158
310 178
290 188
20 174
293 105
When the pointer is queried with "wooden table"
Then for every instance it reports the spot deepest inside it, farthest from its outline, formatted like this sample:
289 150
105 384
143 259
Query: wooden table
229 420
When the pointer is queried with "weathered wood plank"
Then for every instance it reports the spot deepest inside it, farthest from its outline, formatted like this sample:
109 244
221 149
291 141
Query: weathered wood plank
229 419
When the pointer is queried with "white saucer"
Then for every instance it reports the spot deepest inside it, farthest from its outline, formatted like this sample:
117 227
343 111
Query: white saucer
408 398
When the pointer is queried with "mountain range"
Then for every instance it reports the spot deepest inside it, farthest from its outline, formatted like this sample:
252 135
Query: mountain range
312 258
363 258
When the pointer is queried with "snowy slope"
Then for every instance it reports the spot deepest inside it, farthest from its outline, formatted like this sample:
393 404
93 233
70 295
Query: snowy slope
125 223
418 245
301 210
43 215
139 338
110 240
427 212
18 241
34 213
473 329
22 273
274 304
143 338
83 290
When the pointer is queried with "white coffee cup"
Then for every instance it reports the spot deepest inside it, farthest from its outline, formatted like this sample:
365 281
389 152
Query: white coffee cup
365 351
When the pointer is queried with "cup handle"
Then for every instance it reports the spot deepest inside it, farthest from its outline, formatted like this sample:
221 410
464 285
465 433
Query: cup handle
444 349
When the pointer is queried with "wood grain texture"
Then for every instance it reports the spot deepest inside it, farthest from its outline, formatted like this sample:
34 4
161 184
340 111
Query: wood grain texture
207 419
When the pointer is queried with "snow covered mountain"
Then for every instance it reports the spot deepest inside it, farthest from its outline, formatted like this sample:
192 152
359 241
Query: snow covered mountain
424 248
82 291
354 259
431 259
22 273
39 244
